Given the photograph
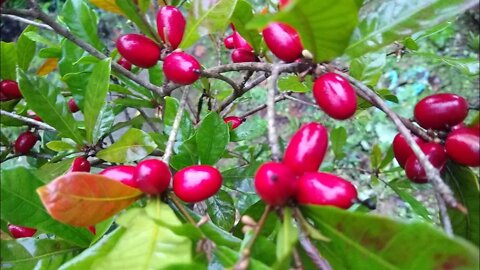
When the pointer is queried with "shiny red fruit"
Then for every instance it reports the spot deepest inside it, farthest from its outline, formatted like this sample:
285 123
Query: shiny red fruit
458 126
152 176
275 183
121 173
435 154
234 121
124 63
307 148
171 25
92 229
325 189
21 232
196 183
402 150
139 50
73 106
228 42
441 111
335 96
240 43
242 56
181 68
10 89
283 41
36 117
25 142
463 146
283 3
80 164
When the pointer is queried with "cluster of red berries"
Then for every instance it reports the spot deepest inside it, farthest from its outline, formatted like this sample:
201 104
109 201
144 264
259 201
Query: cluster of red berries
297 176
442 113
242 50
178 67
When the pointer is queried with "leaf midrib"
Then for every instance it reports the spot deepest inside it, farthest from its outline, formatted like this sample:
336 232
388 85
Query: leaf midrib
44 255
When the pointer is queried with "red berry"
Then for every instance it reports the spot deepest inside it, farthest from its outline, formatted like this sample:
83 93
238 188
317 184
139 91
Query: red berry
435 154
283 3
463 146
3 97
92 229
242 56
441 111
36 117
275 183
121 173
181 68
80 164
402 150
152 176
335 96
21 232
458 126
325 189
10 89
283 41
234 121
228 42
139 50
170 21
124 63
307 148
196 183
239 42
73 106
25 142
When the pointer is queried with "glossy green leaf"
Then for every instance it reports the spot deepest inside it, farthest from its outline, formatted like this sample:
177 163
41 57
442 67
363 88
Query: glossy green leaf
59 146
464 183
374 242
338 138
70 54
31 253
21 205
205 18
82 21
405 195
395 20
8 54
95 95
286 240
212 138
155 75
368 68
252 128
48 103
131 12
228 258
221 210
134 145
104 122
187 155
186 126
134 103
50 171
242 14
410 44
388 158
292 83
25 49
35 36
375 156
468 66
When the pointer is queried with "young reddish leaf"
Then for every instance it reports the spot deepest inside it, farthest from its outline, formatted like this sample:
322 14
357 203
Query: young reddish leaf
84 199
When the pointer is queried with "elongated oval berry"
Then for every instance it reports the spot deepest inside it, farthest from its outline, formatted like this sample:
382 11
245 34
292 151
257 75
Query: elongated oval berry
20 231
228 42
138 50
10 89
181 68
463 146
152 176
275 183
335 96
441 111
435 154
73 106
124 63
25 142
240 43
307 148
283 41
121 173
80 164
234 121
171 25
401 150
196 183
325 189
242 56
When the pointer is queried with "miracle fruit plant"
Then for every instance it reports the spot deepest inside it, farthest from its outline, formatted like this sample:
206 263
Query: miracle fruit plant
185 188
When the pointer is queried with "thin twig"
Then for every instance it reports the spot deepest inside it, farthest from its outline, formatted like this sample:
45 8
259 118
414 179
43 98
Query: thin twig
27 21
303 102
262 107
149 122
219 76
272 129
175 127
28 120
446 222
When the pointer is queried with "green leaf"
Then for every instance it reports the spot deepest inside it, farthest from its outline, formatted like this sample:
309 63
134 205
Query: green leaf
104 123
82 21
394 20
468 66
286 239
221 210
50 171
228 258
31 253
131 12
417 206
410 44
171 108
54 52
22 206
187 155
368 68
155 75
35 36
464 183
242 14
374 242
338 138
292 83
252 128
388 158
134 145
8 54
59 146
25 49
95 95
375 157
48 103
207 18
212 138
134 103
